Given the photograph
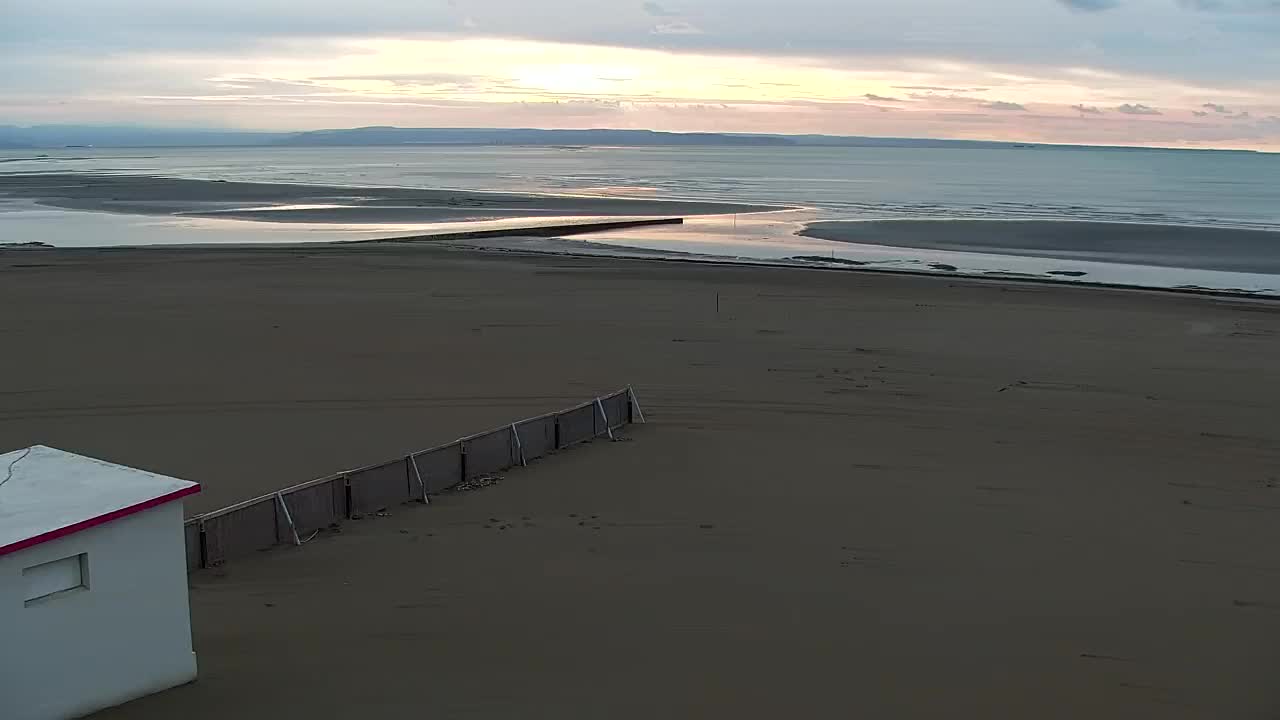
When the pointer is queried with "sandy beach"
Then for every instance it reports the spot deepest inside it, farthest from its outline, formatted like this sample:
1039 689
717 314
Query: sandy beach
1160 245
284 202
858 494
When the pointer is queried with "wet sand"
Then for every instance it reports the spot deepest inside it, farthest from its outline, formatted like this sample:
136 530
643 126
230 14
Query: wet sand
1202 248
272 202
861 494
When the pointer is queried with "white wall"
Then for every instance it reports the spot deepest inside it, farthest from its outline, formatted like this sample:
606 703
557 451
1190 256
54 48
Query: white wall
127 635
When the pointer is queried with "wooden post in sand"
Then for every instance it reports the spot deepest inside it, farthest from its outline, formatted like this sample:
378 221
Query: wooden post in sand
417 474
605 416
519 446
633 406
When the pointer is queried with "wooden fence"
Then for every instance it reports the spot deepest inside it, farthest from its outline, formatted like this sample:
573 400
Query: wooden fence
295 514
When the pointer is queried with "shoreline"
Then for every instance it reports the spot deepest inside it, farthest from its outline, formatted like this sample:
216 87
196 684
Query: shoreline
554 240
154 195
1083 252
993 276
516 247
1191 247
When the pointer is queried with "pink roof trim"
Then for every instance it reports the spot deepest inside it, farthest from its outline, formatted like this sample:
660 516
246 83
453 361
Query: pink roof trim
99 520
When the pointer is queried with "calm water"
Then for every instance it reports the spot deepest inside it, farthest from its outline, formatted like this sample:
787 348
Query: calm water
1239 190
1205 189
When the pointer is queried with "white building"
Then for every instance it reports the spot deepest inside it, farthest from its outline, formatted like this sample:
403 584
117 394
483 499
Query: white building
93 585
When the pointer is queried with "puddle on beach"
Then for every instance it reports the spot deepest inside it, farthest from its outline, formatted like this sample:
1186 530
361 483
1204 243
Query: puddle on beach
27 222
764 237
769 236
22 221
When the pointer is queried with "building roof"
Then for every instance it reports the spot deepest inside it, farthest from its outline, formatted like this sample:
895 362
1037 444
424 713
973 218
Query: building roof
47 494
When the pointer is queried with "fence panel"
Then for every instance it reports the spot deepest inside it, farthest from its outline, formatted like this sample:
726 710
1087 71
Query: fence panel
537 437
315 506
619 407
240 532
490 453
380 487
191 535
615 407
577 425
259 524
341 497
441 468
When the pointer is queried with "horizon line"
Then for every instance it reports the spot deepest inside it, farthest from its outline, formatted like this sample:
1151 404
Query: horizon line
197 130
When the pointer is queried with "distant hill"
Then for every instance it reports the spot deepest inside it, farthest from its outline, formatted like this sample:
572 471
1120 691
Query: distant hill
58 136
524 136
116 136
862 141
382 136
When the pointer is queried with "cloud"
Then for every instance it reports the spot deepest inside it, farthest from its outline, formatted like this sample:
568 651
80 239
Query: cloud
1144 37
71 58
407 79
671 23
939 88
676 27
1090 5
656 10
965 118
1002 105
1220 109
1232 6
1137 109
1242 116
1199 113
248 85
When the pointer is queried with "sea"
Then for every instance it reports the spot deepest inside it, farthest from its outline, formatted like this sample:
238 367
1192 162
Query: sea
1150 187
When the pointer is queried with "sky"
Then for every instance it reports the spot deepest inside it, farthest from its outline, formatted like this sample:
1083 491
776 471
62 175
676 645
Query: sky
1193 73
